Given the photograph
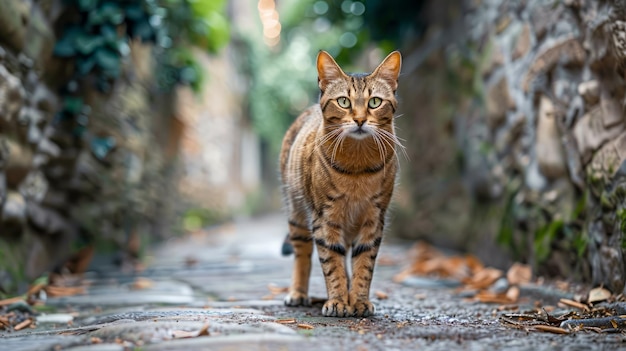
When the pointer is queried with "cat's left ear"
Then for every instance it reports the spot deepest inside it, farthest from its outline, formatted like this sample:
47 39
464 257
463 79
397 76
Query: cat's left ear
327 70
389 69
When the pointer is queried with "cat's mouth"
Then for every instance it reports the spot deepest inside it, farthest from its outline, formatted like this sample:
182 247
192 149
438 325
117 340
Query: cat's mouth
359 132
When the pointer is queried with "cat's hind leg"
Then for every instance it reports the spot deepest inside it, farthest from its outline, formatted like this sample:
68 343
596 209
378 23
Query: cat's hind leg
302 243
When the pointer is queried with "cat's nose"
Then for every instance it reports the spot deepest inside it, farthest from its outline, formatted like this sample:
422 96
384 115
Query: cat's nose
359 121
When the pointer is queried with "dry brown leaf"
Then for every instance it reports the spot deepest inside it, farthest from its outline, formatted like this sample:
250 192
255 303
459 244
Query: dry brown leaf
275 289
11 300
381 295
95 340
551 329
183 334
142 283
286 321
512 293
23 324
572 303
598 294
35 289
204 331
519 274
491 297
483 279
305 326
59 291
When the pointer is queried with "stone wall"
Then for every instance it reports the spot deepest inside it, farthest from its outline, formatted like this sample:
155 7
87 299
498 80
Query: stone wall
100 178
538 137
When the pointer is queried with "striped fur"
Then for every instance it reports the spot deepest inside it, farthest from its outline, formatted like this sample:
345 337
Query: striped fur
338 165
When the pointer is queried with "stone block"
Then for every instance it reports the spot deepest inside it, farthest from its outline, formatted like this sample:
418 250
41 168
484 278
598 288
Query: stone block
41 39
11 96
498 101
14 210
522 45
19 162
612 111
46 220
549 151
590 91
590 133
14 19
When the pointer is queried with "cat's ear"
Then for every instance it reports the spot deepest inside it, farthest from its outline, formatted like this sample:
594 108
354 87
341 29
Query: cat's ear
389 69
327 69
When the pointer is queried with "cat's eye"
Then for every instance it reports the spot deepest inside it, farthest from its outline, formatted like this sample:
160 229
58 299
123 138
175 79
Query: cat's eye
374 102
343 102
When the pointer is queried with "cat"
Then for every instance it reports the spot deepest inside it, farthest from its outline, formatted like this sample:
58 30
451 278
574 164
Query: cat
338 168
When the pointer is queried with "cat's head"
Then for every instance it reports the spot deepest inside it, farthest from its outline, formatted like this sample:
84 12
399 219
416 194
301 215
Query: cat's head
358 104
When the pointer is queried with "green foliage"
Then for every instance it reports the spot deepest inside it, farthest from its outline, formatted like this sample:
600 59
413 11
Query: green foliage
98 40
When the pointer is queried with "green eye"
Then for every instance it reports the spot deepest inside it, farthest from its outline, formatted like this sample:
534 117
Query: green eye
374 102
343 102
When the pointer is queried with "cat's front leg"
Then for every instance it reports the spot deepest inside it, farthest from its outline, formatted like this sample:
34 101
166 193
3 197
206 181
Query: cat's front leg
364 252
332 255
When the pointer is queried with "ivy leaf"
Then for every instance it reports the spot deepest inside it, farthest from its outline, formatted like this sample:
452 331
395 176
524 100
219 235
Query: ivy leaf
73 105
87 5
65 48
142 30
108 60
86 44
86 65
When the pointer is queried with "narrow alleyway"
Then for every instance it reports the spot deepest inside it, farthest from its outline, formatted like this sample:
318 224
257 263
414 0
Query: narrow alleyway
222 290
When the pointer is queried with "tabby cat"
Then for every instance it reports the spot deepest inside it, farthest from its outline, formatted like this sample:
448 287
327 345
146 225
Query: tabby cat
338 167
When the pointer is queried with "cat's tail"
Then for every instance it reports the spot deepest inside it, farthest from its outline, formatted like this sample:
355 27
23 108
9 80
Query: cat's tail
287 248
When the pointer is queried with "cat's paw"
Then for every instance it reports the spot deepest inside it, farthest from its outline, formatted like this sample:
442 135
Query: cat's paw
297 299
336 308
362 308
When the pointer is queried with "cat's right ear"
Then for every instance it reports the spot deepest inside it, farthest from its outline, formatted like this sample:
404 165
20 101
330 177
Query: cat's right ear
327 70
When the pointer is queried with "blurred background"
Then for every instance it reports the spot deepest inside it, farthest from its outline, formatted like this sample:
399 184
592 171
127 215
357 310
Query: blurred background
124 123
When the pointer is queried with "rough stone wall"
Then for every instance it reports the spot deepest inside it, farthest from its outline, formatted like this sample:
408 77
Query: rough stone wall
556 130
63 188
516 128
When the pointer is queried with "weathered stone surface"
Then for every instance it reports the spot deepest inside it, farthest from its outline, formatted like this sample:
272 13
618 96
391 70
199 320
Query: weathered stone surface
11 95
590 91
497 101
612 112
14 19
40 39
19 162
522 46
550 156
590 133
13 215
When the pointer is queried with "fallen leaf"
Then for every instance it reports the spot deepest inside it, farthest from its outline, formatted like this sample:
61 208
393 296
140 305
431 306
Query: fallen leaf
11 300
204 331
551 329
183 334
484 278
95 340
275 289
142 283
598 294
381 295
512 293
23 324
286 321
305 326
519 274
492 297
572 303
59 291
